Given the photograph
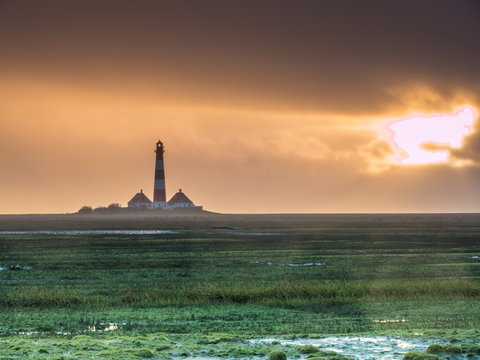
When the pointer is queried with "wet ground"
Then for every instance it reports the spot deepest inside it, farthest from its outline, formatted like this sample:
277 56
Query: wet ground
360 347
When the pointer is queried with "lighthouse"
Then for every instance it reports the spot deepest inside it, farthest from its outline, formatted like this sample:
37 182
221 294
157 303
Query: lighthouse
179 200
159 193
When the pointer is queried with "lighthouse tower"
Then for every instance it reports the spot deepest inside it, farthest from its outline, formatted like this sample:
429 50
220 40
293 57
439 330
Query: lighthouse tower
159 194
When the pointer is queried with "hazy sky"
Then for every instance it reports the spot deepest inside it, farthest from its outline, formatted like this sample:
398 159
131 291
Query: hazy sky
263 106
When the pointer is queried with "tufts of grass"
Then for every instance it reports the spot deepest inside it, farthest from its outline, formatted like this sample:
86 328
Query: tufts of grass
415 355
452 349
328 355
243 351
163 347
307 349
435 349
470 349
294 294
143 353
277 355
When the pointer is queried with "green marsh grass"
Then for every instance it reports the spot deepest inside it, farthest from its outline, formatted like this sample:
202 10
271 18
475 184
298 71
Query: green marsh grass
243 274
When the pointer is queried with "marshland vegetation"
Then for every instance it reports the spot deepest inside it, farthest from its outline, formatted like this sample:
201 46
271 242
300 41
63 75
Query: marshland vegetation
242 276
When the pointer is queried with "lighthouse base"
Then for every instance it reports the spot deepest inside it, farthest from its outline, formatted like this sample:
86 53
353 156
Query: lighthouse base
159 205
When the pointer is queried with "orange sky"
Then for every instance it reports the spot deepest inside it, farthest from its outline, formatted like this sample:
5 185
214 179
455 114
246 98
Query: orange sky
261 108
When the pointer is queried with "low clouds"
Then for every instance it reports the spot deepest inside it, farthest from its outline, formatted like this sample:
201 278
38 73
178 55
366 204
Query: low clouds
470 151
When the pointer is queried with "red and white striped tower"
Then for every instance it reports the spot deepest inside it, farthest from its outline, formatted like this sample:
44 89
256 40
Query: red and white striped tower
159 194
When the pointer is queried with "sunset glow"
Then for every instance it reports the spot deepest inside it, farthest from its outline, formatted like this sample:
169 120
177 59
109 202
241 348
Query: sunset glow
427 139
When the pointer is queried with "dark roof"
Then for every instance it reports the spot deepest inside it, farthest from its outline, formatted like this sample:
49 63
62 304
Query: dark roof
179 197
140 198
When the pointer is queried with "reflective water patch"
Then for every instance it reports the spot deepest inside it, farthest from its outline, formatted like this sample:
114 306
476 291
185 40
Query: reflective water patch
386 321
259 262
105 327
321 263
15 267
359 347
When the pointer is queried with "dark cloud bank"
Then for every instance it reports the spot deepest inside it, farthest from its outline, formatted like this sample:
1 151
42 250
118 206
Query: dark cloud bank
335 55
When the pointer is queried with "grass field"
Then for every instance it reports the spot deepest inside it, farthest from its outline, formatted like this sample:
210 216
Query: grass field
233 278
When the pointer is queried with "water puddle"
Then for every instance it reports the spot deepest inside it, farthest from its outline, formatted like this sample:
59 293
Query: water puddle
89 232
306 264
256 233
359 347
66 333
102 327
269 263
258 262
15 267
386 321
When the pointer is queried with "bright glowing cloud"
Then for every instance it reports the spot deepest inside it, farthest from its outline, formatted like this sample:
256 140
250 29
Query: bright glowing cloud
427 139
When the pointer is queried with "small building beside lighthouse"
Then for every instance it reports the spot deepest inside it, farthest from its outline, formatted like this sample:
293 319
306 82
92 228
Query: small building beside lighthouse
179 200
140 201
